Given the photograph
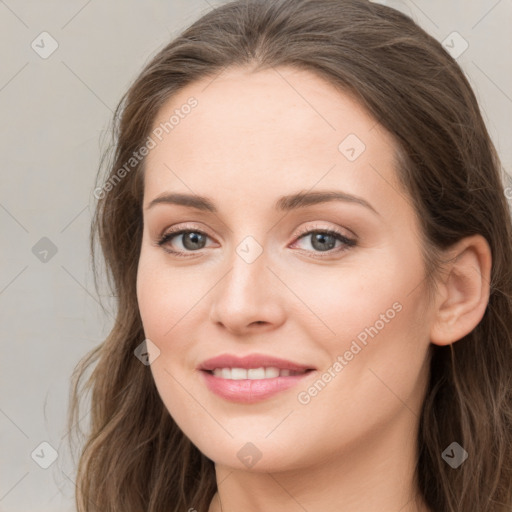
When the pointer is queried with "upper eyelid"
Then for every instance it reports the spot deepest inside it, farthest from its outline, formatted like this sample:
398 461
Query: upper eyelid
337 229
301 231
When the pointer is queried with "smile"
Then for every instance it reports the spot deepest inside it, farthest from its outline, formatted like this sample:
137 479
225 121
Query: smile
252 378
270 372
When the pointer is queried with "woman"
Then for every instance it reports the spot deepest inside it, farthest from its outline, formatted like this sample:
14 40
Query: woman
305 228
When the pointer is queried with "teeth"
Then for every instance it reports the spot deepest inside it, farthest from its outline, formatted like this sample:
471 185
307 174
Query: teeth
271 373
253 373
257 373
237 373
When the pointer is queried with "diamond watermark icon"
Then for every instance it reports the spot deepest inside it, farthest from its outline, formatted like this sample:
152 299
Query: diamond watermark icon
44 455
146 352
454 455
44 250
351 147
44 45
455 44
249 249
249 454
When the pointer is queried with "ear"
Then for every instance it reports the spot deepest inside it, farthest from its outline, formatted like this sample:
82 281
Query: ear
464 292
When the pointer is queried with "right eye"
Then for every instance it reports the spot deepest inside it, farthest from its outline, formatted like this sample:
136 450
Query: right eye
192 240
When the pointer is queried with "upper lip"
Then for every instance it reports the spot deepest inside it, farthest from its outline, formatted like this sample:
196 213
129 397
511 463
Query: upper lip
251 361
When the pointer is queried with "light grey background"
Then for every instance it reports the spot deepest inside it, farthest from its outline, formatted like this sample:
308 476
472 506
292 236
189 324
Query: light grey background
54 115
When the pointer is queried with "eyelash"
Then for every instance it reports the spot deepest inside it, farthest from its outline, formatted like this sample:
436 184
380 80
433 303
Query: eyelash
348 242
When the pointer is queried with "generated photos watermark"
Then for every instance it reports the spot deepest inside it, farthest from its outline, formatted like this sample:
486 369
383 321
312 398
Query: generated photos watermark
357 345
151 142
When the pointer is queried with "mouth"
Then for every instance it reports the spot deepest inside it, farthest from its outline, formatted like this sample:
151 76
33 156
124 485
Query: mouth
258 365
262 373
251 378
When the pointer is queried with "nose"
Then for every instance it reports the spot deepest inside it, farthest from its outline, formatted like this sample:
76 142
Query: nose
249 298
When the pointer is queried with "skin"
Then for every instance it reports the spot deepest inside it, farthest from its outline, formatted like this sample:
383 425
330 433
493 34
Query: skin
254 137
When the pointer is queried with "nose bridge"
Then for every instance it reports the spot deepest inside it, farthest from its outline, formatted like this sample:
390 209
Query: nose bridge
246 295
248 273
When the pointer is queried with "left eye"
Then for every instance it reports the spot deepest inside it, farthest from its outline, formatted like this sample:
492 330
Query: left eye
325 240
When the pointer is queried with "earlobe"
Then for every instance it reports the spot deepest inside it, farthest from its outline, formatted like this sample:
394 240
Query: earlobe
464 293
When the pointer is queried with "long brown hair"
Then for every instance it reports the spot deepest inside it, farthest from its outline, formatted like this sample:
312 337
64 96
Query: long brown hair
135 457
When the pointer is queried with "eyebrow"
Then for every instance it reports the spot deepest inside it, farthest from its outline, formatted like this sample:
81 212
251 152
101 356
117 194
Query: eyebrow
284 203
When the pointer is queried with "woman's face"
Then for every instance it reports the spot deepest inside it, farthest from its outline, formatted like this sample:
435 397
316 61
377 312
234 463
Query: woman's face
347 302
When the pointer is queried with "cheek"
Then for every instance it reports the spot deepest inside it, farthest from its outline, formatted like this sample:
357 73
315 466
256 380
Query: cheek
376 375
161 306
383 359
164 294
154 296
379 326
343 303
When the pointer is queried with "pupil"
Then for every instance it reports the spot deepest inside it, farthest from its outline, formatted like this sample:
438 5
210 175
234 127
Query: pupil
191 240
319 238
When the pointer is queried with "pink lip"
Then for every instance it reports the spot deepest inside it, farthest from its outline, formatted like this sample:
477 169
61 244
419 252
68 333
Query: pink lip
251 361
248 390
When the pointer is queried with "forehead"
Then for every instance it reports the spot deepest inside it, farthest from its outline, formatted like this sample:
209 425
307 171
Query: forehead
267 133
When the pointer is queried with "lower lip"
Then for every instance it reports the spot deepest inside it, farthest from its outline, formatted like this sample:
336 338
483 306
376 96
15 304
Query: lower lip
249 391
